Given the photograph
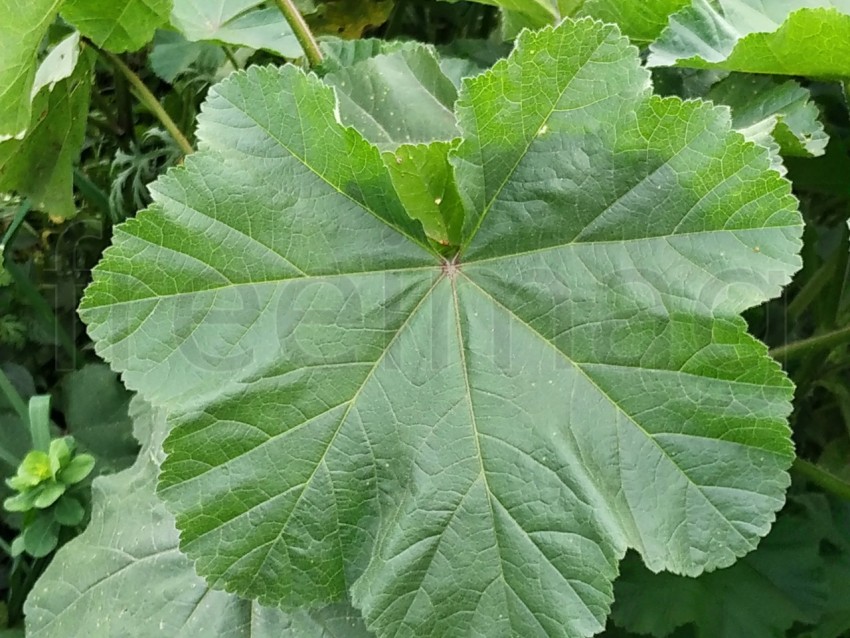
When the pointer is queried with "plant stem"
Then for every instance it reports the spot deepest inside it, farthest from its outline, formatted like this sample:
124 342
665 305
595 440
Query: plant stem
93 194
819 342
11 393
302 31
39 422
230 57
15 226
149 100
823 479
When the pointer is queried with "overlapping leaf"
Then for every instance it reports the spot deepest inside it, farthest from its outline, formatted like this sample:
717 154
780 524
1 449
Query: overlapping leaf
117 26
641 21
172 55
779 115
124 576
764 594
469 445
21 30
397 97
237 22
95 405
40 165
788 37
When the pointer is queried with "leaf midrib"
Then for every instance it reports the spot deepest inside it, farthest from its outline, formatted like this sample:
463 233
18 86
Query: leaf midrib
361 205
524 152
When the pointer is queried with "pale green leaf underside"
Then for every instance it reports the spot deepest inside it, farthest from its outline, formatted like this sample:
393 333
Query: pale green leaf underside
236 22
124 576
21 30
785 37
468 448
173 55
118 26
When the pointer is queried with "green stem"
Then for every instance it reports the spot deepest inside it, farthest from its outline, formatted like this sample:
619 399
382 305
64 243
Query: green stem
149 100
93 194
15 226
13 397
230 57
800 348
302 31
39 422
823 479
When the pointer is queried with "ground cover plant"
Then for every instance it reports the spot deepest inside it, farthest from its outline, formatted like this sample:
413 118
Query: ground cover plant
408 318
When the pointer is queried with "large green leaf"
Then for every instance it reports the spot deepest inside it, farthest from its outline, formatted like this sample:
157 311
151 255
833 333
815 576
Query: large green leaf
40 166
763 594
642 21
118 26
238 22
467 445
22 29
788 37
124 576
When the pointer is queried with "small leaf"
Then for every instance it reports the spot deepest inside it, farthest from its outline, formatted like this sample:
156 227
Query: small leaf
69 511
23 502
78 469
783 37
47 494
60 453
18 546
21 483
117 26
424 181
41 536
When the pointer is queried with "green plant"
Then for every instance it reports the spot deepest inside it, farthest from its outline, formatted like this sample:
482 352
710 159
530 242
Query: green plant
45 484
428 339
